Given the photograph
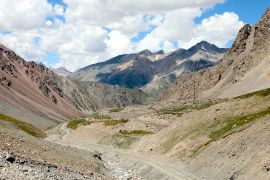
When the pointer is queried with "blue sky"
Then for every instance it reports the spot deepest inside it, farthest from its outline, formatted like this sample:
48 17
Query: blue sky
76 33
249 11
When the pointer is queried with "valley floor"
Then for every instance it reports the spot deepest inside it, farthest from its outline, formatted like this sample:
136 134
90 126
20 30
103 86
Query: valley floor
218 139
124 164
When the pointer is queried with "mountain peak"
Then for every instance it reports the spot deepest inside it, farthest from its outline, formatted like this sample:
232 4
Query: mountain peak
62 68
145 52
204 45
160 52
61 71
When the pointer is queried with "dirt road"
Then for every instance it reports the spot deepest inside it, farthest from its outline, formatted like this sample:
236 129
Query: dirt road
125 164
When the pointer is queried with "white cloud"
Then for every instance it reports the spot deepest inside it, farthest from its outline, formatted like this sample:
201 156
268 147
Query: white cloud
118 43
83 39
23 14
22 44
178 24
49 23
217 29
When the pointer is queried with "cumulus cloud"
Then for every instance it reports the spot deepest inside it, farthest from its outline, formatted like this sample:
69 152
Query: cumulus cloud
217 29
23 14
23 44
96 30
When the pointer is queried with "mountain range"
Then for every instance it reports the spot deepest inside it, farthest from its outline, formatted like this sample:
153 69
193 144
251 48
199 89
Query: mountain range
151 72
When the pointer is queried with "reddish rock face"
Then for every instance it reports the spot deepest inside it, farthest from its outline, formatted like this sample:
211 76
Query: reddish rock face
34 82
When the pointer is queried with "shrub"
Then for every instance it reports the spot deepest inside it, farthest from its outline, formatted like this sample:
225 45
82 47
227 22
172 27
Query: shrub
180 110
115 122
116 110
98 116
74 124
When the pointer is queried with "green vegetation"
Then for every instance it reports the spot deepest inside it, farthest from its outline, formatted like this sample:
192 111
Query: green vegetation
98 116
74 124
28 128
124 139
134 132
120 141
180 110
262 93
112 122
116 110
231 124
219 129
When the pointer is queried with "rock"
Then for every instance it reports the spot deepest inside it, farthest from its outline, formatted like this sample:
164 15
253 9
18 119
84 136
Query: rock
267 167
10 158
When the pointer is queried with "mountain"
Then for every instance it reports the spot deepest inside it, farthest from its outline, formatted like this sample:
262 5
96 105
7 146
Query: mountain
35 94
244 68
152 72
62 71
30 91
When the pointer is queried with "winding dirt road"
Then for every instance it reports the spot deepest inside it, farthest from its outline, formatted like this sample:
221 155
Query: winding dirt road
124 164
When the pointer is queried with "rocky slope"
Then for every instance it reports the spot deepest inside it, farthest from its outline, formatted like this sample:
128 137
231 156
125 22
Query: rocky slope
152 72
91 96
244 68
25 157
33 93
30 92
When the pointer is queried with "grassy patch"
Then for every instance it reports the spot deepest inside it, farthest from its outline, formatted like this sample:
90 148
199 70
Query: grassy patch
262 93
219 129
134 132
28 128
116 110
74 124
119 140
122 141
231 124
112 122
100 116
180 110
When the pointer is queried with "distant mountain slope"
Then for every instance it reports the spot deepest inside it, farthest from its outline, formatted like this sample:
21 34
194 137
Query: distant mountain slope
35 94
245 68
149 71
62 71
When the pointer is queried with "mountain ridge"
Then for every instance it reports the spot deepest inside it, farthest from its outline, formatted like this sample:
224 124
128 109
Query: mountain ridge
145 68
